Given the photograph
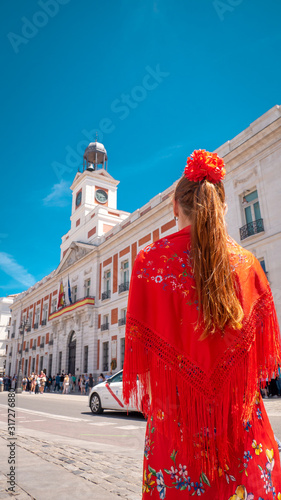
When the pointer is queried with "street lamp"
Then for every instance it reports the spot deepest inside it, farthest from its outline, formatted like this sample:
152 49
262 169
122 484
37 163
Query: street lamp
19 377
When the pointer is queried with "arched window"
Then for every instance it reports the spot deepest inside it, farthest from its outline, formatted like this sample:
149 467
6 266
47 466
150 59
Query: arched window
72 337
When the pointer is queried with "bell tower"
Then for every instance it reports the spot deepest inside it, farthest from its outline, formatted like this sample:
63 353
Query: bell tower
94 199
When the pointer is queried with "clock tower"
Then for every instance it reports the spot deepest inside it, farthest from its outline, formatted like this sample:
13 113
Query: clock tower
94 199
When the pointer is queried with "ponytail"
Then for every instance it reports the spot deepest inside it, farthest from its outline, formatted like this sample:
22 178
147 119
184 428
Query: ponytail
204 202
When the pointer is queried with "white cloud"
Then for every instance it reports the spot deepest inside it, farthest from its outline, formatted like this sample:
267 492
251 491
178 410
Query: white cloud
15 270
59 195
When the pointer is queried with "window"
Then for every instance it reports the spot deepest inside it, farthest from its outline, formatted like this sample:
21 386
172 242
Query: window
85 359
124 276
33 365
41 363
42 342
122 320
37 317
107 288
30 320
253 222
50 364
25 367
60 360
87 286
74 294
262 263
122 351
116 378
54 305
45 314
105 356
105 323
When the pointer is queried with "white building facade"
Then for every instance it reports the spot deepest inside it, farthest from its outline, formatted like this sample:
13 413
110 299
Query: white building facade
87 334
5 326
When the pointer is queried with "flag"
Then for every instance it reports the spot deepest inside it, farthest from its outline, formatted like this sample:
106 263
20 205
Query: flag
61 294
69 292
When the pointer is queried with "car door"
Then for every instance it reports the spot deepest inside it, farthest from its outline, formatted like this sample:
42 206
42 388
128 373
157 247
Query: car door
114 392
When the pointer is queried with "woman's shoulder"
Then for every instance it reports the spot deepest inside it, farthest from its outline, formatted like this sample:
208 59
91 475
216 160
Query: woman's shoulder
173 243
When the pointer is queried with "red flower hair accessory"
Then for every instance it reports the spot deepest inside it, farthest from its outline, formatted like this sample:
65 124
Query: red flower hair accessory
204 165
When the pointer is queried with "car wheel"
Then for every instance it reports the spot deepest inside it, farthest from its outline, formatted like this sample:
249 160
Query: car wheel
96 404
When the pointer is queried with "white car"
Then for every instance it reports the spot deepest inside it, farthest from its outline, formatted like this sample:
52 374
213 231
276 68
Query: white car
108 396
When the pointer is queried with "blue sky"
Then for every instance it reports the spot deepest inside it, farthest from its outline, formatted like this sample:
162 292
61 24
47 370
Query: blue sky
157 79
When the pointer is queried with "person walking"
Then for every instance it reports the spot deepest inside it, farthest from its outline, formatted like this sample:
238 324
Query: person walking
91 382
66 385
201 333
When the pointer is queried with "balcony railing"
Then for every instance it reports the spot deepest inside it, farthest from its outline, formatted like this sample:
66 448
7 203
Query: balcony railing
13 335
26 349
106 295
124 286
35 326
28 329
251 228
104 326
121 321
51 342
34 347
43 322
42 345
65 307
10 354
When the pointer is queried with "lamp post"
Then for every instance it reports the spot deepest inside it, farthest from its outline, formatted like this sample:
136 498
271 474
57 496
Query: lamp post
19 377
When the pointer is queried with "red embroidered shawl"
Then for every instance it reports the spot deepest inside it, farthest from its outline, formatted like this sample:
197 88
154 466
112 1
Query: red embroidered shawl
202 390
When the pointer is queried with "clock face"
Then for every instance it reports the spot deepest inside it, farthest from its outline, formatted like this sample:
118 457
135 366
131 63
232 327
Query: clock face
78 198
101 196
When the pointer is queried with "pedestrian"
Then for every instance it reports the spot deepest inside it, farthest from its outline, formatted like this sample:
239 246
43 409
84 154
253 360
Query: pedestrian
57 387
61 382
24 383
83 385
101 378
73 383
278 381
86 383
91 382
201 332
70 382
66 385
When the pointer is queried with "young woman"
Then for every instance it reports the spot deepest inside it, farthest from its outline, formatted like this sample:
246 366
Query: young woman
201 333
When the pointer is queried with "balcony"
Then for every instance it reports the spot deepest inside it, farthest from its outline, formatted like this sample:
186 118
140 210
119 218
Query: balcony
51 342
28 329
251 228
42 345
34 347
43 322
35 326
20 352
85 301
13 335
124 287
10 354
106 295
26 349
121 321
104 326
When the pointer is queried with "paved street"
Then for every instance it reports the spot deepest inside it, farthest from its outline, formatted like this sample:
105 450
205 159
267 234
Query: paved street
63 451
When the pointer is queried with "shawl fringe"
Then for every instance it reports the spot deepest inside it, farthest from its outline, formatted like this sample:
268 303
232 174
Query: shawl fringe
204 417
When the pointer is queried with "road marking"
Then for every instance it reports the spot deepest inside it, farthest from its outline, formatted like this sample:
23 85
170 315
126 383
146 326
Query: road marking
101 424
25 421
43 414
130 427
